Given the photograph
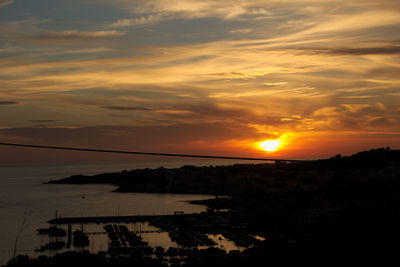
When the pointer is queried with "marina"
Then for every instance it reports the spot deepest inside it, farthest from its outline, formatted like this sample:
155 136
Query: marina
139 236
23 192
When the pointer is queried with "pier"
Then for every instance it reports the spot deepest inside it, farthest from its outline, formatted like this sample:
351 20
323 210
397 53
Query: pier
135 232
112 219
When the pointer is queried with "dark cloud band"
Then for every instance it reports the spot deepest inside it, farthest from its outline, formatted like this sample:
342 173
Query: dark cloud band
125 108
9 103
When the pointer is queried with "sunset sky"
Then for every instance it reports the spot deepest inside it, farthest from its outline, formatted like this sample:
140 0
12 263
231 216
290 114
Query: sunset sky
200 76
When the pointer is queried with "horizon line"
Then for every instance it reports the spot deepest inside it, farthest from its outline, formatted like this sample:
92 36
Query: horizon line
148 153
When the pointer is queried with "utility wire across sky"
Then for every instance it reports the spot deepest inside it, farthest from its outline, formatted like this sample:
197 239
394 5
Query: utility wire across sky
146 153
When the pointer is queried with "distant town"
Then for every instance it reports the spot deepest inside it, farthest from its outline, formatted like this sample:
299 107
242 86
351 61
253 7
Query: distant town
285 212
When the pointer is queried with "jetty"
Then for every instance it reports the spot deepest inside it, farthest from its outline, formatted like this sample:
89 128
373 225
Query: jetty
112 219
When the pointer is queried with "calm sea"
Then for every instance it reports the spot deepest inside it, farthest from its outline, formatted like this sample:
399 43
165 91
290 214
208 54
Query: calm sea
24 194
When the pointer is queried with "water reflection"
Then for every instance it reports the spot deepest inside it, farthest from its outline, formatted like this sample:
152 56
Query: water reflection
153 237
224 244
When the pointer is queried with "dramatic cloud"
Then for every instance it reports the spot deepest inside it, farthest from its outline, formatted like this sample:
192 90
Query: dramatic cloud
150 12
202 74
362 117
162 138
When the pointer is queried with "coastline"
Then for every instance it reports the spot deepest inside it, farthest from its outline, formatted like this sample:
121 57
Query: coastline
290 208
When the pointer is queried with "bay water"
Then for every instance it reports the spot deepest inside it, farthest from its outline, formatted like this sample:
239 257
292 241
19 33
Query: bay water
25 196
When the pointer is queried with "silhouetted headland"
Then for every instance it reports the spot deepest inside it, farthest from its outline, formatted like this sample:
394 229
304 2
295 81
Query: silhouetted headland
336 207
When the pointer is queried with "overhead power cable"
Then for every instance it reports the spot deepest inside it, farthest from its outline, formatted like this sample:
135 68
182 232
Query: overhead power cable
147 153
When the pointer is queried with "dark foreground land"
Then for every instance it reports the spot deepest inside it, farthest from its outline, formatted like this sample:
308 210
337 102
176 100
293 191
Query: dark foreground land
335 208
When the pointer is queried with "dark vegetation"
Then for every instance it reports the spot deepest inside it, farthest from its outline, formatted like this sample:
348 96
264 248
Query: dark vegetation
339 207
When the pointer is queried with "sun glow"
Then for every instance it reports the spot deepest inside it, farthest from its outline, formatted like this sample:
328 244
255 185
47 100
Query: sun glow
270 145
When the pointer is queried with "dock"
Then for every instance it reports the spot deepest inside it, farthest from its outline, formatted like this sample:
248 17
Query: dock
135 232
111 219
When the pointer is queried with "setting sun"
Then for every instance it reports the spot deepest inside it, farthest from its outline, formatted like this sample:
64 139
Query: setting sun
269 145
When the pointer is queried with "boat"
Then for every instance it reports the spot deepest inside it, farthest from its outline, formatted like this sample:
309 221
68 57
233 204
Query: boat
80 239
69 240
52 246
52 231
